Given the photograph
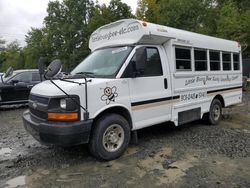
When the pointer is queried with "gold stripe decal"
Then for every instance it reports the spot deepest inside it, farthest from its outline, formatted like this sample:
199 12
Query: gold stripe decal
170 100
154 103
223 92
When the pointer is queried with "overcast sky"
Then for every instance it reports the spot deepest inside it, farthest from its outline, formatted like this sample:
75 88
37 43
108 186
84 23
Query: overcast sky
17 16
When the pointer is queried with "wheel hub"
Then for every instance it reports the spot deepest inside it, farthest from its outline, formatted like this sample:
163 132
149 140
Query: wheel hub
113 138
216 112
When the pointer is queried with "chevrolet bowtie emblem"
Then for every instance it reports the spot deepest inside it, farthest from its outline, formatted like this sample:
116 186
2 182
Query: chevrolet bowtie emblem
34 104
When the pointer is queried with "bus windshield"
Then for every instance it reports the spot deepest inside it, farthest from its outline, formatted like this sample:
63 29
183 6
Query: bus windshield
104 62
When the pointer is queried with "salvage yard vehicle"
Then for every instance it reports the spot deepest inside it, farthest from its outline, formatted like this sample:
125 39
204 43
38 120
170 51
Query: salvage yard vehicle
139 74
15 86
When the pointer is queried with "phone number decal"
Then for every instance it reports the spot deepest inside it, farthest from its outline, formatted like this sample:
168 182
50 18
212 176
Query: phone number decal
193 96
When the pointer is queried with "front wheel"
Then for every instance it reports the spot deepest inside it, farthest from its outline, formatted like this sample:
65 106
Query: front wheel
214 115
110 137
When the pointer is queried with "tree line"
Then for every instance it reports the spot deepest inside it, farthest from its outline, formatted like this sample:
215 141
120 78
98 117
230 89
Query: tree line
69 24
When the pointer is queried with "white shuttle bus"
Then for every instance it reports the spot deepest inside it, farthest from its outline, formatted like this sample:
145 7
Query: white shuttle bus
139 74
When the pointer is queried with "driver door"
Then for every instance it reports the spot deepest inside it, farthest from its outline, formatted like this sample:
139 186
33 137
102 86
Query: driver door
150 92
21 89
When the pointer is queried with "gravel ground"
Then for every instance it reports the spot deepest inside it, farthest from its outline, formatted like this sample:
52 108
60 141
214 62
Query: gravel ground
192 155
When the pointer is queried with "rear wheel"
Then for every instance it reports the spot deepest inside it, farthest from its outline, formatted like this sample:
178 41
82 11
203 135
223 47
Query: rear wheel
214 115
110 137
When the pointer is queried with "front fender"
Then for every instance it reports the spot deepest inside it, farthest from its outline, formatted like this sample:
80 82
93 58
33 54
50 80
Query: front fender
109 107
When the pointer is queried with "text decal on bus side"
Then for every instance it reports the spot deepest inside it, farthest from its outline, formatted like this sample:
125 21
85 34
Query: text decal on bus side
205 79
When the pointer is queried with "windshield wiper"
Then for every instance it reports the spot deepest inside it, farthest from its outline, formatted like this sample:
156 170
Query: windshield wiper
86 74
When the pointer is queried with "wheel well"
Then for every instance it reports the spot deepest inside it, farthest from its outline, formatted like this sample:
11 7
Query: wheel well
220 98
117 110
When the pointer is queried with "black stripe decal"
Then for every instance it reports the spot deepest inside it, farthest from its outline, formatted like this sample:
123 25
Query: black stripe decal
177 97
154 101
226 89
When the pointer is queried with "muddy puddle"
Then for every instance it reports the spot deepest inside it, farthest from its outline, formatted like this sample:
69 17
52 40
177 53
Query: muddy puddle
159 169
16 182
124 172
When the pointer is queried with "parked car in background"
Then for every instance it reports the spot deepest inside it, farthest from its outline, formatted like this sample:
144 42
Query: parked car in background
15 88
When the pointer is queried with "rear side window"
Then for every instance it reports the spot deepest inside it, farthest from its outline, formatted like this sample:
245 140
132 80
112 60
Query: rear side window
35 77
23 77
236 58
200 60
183 59
153 63
226 59
214 60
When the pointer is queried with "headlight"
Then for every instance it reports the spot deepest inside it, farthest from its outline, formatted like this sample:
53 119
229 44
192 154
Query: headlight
69 104
63 104
64 108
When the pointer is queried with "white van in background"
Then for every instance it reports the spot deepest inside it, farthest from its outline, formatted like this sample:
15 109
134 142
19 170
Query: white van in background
139 74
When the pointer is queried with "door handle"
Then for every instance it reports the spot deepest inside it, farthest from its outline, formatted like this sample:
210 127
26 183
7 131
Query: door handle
165 83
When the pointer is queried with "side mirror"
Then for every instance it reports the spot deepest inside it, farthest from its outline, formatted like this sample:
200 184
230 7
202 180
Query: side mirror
53 69
14 81
41 65
141 58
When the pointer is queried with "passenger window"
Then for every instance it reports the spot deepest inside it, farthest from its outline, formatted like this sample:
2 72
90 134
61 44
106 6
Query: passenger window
23 77
226 59
236 61
153 63
214 60
200 60
36 77
183 59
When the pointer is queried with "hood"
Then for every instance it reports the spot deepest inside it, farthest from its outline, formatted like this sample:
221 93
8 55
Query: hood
46 88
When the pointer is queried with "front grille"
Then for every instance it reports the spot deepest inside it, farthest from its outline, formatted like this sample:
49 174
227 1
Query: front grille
38 106
38 113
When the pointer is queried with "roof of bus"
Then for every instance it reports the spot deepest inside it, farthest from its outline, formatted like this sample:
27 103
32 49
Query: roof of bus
131 31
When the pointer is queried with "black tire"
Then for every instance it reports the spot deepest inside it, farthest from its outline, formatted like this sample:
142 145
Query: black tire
110 137
214 115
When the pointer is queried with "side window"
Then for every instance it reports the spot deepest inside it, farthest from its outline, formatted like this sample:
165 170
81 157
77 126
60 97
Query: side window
35 77
214 60
23 77
236 58
153 63
183 59
200 60
226 59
